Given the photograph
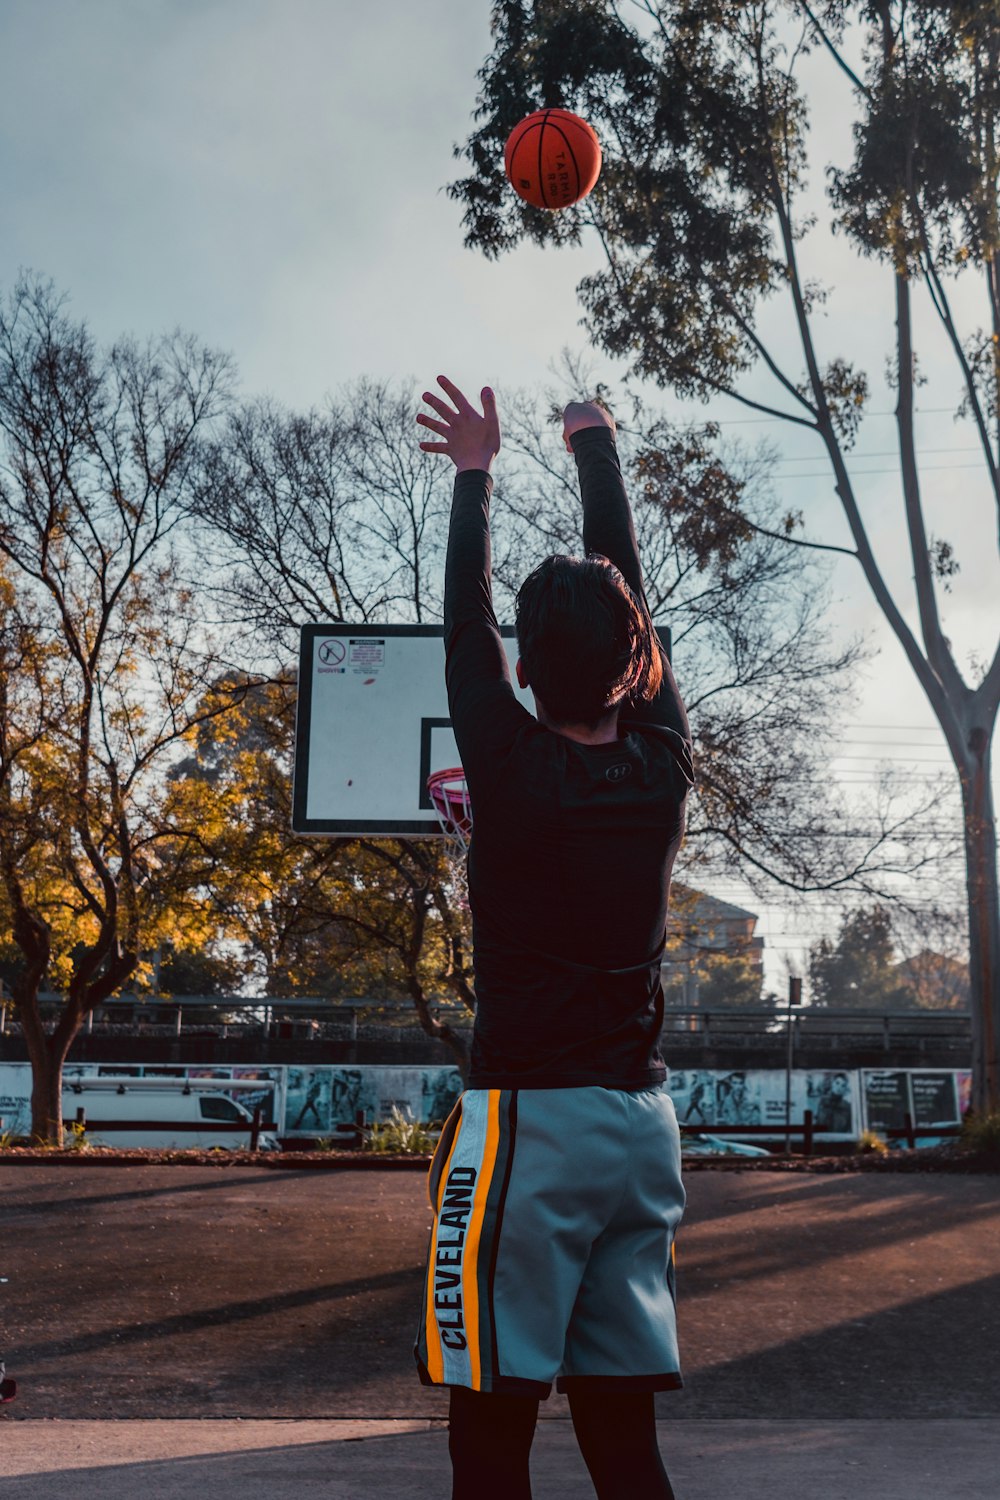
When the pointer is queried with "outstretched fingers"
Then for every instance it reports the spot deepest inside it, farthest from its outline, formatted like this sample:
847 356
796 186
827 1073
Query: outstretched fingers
490 415
443 428
441 407
462 402
471 438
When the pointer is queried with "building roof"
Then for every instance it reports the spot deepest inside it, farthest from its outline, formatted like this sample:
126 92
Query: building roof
705 909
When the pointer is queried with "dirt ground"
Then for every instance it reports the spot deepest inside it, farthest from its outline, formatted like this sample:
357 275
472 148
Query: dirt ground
156 1291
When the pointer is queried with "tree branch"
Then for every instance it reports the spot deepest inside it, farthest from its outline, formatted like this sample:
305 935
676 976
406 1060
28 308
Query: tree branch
837 56
937 647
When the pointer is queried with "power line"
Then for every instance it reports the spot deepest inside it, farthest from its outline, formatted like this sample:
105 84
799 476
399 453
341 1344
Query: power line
873 473
921 411
806 458
903 759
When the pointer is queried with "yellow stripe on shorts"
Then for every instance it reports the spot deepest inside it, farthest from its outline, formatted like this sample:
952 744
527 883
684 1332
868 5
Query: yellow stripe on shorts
435 1359
470 1267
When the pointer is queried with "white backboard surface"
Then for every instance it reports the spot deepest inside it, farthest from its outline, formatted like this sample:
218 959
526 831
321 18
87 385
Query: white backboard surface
372 726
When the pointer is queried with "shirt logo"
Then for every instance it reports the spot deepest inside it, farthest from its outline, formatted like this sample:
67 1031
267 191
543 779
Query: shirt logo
619 772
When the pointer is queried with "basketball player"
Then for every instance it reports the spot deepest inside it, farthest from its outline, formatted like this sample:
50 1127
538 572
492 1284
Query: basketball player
556 1184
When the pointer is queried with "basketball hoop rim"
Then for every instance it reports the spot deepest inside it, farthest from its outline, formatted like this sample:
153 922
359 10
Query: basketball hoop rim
449 793
453 773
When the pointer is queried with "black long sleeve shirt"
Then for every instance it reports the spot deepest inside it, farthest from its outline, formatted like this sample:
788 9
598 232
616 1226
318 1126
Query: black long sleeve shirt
572 844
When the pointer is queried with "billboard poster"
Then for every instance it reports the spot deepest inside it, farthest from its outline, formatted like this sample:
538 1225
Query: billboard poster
317 1100
935 1098
15 1098
441 1088
756 1096
308 1101
831 1100
887 1099
313 1101
269 1099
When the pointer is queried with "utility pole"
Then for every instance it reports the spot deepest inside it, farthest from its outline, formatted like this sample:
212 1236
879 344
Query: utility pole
794 998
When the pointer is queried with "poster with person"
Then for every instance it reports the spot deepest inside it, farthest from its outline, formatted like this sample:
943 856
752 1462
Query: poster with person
740 1098
268 1099
308 1101
709 1097
712 1098
831 1100
439 1094
335 1095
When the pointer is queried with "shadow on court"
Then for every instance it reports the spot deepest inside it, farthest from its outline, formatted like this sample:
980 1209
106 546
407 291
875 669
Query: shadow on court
256 1461
190 1292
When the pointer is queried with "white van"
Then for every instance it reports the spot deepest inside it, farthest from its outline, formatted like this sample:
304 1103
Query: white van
161 1114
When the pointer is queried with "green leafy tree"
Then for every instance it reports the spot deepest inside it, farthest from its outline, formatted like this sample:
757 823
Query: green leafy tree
728 980
103 662
186 970
337 918
703 978
702 217
859 970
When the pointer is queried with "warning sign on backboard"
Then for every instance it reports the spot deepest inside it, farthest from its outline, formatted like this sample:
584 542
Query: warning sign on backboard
366 656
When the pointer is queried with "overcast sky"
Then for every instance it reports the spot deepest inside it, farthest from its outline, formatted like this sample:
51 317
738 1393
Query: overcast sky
269 174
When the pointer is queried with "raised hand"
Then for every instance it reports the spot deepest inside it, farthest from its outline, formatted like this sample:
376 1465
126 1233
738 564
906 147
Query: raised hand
471 441
581 414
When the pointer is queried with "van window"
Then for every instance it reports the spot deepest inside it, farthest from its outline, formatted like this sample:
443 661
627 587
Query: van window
216 1107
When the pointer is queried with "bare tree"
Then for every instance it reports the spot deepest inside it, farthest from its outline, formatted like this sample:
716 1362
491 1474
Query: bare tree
330 515
316 517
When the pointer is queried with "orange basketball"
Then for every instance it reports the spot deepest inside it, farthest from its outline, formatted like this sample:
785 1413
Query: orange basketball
552 158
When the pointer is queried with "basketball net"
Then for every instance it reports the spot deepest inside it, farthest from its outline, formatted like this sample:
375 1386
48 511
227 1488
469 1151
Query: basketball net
449 792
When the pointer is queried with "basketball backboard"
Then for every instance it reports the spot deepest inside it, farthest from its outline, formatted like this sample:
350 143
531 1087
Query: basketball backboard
372 726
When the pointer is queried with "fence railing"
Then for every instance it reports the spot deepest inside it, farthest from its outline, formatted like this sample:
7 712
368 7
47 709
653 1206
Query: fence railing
304 1018
909 1131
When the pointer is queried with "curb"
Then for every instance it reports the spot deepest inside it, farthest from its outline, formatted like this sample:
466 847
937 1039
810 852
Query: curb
293 1161
350 1161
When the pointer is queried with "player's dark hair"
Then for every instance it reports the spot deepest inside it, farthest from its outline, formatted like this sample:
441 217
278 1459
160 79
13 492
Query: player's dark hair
586 642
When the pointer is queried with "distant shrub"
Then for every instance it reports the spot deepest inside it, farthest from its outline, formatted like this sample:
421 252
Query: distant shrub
75 1137
982 1133
870 1143
401 1135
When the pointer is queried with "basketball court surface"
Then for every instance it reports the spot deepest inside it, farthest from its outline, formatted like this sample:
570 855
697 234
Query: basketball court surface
262 1460
840 1338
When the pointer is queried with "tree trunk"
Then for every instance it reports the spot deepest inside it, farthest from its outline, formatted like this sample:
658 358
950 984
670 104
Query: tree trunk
46 1100
441 1031
984 923
457 1045
47 1052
